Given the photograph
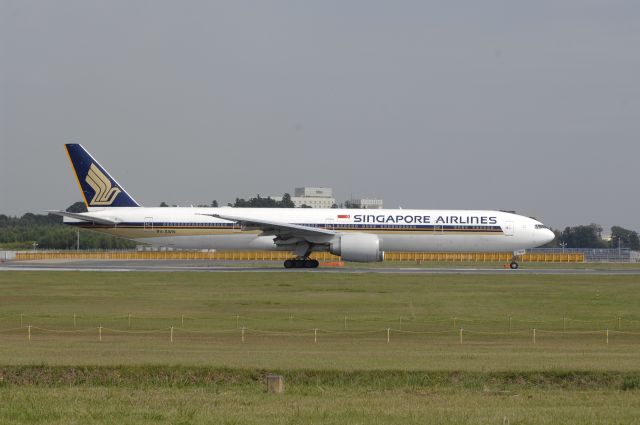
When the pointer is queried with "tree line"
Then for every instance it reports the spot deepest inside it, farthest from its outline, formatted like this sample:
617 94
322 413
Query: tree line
590 236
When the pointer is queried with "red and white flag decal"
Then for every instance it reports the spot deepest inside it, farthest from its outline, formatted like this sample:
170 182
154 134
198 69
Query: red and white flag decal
347 216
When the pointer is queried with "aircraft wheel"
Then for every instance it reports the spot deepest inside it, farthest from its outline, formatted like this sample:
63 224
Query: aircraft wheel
513 265
289 264
307 264
315 264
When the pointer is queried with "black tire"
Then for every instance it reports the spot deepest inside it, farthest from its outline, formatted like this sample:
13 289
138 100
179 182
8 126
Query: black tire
514 265
315 264
289 264
307 264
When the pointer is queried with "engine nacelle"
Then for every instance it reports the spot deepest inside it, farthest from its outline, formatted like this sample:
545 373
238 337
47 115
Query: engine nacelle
360 247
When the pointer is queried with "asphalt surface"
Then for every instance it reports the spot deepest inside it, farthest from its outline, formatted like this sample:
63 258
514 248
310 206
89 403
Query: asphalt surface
273 267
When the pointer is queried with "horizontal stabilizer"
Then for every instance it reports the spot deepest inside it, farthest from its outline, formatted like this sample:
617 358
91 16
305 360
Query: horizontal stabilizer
85 217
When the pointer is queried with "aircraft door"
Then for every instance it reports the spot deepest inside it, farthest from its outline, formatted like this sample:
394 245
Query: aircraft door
148 224
330 223
508 228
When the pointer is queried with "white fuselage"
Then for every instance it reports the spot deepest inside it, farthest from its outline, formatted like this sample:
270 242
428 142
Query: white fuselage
397 230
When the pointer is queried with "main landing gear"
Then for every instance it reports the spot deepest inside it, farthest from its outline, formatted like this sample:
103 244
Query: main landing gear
514 265
301 263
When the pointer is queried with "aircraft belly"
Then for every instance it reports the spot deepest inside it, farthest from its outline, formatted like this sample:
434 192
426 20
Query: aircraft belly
447 243
232 241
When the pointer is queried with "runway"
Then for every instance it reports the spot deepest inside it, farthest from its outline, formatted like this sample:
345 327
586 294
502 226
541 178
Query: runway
273 267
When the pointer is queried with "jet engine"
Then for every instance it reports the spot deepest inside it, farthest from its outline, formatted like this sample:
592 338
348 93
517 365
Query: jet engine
360 247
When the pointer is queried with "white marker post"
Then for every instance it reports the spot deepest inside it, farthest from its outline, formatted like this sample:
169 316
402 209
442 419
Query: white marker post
100 333
607 336
129 321
388 335
315 336
171 337
29 332
460 336
534 335
243 334
74 320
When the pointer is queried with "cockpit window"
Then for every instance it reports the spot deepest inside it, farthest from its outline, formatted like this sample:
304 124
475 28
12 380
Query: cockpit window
541 226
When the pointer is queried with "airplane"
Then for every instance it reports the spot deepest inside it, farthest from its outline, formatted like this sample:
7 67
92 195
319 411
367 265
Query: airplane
357 235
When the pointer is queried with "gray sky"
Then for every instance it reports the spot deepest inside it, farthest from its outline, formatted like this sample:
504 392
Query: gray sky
520 105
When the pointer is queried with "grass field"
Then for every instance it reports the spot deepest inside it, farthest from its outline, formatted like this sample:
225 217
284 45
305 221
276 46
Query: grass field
351 374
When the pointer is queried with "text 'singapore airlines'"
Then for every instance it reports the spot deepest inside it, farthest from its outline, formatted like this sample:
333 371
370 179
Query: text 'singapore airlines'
355 235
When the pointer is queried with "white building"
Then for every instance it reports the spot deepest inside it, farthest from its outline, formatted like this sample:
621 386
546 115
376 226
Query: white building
367 203
314 197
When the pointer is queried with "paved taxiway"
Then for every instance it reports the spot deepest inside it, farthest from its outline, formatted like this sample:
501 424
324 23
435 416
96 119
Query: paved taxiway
270 267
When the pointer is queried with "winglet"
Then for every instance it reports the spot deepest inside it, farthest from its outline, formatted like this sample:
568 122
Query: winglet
98 188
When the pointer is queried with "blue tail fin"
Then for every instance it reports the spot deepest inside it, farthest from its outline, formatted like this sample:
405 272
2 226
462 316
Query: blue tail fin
98 188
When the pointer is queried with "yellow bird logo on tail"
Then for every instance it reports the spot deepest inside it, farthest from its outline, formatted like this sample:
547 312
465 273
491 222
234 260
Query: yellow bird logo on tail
105 193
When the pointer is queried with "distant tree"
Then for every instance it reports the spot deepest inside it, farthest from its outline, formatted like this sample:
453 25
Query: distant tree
77 207
163 204
351 205
589 236
621 237
286 201
260 202
334 206
214 204
304 206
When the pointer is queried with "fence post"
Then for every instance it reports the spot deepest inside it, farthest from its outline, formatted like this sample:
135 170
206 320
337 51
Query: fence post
100 333
534 335
388 334
171 334
460 336
243 334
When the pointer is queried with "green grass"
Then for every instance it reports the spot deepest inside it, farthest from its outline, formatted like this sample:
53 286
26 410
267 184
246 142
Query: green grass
423 375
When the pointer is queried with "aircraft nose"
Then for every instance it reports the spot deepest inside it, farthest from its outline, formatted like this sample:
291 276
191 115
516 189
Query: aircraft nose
548 236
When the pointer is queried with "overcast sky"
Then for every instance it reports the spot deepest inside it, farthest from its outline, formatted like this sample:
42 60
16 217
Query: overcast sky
531 106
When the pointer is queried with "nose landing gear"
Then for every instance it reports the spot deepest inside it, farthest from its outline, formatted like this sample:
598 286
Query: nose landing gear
301 263
514 260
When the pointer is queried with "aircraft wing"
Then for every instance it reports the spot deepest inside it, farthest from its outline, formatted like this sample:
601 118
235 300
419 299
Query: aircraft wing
85 217
278 228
